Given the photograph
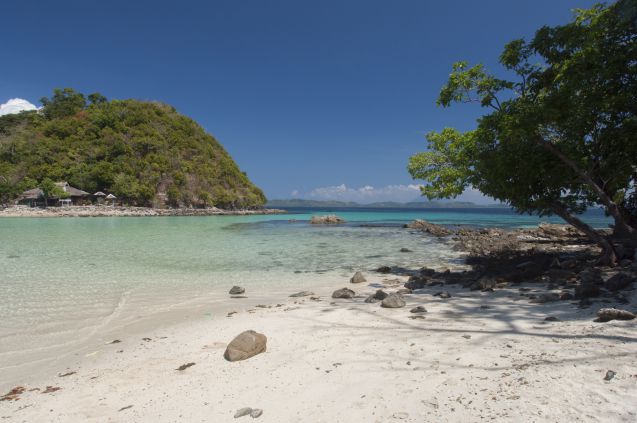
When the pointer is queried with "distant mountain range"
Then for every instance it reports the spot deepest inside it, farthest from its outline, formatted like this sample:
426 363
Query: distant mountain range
381 205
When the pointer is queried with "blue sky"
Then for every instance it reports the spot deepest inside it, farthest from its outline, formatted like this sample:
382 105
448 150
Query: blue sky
315 99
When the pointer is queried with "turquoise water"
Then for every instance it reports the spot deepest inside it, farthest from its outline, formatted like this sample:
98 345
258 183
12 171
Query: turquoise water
65 279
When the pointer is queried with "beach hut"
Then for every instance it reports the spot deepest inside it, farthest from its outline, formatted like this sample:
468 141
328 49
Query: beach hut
112 198
75 195
99 197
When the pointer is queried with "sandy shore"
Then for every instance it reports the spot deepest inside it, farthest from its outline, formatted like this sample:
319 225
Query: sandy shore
476 356
101 211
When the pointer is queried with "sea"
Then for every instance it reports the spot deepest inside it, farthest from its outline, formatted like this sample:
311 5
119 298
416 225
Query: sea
68 282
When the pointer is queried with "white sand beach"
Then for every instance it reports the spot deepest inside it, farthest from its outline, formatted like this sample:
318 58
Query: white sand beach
476 356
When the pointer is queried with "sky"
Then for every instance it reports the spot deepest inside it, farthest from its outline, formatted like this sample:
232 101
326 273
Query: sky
313 99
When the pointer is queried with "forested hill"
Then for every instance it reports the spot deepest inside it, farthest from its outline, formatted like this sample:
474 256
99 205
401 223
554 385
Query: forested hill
145 153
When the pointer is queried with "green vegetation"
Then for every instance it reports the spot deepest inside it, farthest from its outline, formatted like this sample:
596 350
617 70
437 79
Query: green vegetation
560 136
145 153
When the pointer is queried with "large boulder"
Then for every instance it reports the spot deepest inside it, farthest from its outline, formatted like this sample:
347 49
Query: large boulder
393 301
343 293
247 344
619 281
430 228
358 278
237 290
330 219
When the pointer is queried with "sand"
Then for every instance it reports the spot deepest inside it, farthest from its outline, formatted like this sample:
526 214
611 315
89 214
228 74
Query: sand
475 357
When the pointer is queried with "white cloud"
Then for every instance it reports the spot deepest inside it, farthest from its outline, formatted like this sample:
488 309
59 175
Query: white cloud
294 193
398 193
15 105
367 193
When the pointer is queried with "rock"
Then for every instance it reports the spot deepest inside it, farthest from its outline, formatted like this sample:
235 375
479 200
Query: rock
415 283
393 301
247 344
551 319
237 290
358 278
302 294
404 291
442 294
343 293
620 281
330 219
484 283
384 269
242 412
548 297
378 296
425 271
256 413
608 314
566 296
419 309
590 279
609 375
405 250
526 266
430 228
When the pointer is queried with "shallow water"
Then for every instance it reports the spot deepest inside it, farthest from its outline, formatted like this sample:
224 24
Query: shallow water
63 280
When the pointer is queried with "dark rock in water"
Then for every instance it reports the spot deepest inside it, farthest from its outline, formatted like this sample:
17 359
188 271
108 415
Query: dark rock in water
442 294
590 280
430 228
302 294
609 375
237 290
393 301
551 319
405 250
608 314
427 272
358 278
330 219
384 269
619 281
415 283
378 296
419 309
242 412
343 293
247 344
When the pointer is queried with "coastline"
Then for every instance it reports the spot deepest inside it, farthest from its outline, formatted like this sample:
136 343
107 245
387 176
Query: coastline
109 211
475 355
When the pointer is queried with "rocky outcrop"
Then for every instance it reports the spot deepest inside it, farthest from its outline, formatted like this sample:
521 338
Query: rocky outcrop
247 344
427 227
330 219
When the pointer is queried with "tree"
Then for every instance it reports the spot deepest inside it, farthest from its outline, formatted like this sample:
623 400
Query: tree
560 136
97 98
51 190
65 102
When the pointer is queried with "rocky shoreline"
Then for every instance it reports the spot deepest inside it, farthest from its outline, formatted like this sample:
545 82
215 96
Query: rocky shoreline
109 211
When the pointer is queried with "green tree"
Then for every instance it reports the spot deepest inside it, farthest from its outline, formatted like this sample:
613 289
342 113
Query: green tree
65 102
568 113
50 190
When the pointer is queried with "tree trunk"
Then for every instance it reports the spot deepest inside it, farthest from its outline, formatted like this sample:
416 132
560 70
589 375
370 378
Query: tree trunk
621 227
609 257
